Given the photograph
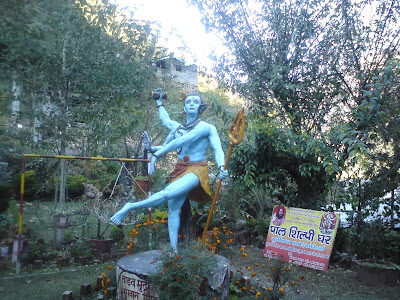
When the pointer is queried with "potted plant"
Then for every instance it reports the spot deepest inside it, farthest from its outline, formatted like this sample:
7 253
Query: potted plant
141 186
370 272
80 251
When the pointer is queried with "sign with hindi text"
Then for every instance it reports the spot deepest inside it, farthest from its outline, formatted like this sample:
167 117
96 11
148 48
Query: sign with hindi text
133 287
304 237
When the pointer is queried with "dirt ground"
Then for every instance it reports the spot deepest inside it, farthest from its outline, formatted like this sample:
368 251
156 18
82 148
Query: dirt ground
335 283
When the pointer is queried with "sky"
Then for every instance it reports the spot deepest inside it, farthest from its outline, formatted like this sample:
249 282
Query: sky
176 17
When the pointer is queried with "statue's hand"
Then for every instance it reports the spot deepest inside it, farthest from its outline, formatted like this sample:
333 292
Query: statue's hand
146 141
152 164
223 173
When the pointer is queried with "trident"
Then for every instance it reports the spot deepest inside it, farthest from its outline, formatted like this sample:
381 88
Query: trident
235 135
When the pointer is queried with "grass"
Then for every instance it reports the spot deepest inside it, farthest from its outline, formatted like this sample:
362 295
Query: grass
336 283
50 283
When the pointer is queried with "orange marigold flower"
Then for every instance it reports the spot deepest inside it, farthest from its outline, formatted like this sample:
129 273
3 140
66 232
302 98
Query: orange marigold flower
244 254
249 268
273 269
237 281
253 274
256 264
244 288
105 292
269 289
302 277
252 287
258 294
285 286
267 275
281 289
242 249
109 267
293 282
103 274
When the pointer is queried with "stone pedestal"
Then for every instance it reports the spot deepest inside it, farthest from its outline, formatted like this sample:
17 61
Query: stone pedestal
133 273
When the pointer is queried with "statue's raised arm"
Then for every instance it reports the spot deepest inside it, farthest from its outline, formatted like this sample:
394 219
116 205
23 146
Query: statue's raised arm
189 179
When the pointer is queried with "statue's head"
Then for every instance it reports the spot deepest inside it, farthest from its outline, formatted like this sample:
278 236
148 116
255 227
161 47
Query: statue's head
193 101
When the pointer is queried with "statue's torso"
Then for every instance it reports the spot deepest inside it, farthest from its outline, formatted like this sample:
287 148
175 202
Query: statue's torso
196 149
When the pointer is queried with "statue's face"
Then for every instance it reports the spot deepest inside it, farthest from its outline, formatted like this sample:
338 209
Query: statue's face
192 104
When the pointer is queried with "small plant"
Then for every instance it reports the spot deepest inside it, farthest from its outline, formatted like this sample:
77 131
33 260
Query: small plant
183 275
35 251
117 234
79 248
107 279
218 240
150 233
272 285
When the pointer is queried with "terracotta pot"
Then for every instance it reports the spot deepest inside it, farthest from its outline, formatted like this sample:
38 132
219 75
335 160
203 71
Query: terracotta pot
141 186
103 246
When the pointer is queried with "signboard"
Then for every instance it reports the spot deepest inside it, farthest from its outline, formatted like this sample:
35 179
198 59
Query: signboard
131 286
304 237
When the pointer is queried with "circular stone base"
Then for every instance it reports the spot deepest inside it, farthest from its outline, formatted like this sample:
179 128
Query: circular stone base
133 273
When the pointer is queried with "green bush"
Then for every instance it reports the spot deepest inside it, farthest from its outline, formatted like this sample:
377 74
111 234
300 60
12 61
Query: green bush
184 275
35 251
75 185
117 234
5 196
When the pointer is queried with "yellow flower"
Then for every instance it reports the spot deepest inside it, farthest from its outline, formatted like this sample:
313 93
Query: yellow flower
256 264
249 268
242 249
293 282
253 274
281 289
103 274
267 275
269 289
109 267
258 294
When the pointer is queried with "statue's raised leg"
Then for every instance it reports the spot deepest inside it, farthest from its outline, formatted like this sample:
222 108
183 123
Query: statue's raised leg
175 190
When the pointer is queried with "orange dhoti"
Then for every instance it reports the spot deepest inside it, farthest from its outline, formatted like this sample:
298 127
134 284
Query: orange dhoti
201 193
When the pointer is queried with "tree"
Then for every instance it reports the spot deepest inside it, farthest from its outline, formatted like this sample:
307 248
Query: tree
76 62
300 64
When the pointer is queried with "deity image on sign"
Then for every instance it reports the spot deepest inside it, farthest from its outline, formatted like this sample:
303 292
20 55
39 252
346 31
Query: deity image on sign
328 223
278 218
190 176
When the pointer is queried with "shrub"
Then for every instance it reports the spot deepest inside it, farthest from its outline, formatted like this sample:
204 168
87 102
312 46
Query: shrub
148 235
5 195
34 251
75 185
117 234
79 248
183 275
